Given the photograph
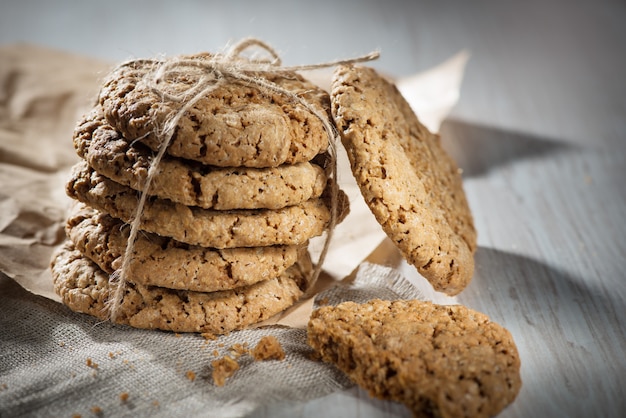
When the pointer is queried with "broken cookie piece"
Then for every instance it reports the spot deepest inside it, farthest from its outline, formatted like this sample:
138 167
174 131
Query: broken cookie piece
438 360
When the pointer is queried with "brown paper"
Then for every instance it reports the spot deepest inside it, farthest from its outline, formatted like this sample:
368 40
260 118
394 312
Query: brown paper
43 92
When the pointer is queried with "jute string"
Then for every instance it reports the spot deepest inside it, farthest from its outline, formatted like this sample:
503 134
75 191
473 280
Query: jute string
210 74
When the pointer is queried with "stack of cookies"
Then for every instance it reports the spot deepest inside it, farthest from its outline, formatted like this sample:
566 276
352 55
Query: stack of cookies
234 201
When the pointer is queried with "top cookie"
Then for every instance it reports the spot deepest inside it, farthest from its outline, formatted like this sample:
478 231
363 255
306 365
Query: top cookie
235 125
407 179
441 361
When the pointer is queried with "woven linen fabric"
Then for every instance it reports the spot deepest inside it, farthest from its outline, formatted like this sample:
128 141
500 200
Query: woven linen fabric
55 362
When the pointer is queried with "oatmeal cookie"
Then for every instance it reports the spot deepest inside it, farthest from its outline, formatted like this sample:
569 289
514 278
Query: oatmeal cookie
409 182
236 124
165 262
293 225
85 288
191 183
447 361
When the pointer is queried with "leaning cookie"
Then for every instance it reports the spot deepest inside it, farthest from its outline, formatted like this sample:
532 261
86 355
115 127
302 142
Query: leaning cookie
191 183
440 361
165 262
293 225
236 124
409 182
84 288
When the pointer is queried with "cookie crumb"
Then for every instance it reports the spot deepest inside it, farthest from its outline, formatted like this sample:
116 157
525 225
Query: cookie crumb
239 350
216 353
190 375
223 369
3 386
96 410
209 336
124 396
268 348
77 416
91 363
323 302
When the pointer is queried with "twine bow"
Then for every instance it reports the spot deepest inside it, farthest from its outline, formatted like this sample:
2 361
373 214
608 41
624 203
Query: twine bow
210 74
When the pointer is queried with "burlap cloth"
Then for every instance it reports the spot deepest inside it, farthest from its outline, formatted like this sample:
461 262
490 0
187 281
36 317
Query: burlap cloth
54 362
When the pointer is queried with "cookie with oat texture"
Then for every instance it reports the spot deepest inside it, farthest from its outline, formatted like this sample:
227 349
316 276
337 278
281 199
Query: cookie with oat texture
412 186
189 182
164 262
85 288
440 361
293 225
236 124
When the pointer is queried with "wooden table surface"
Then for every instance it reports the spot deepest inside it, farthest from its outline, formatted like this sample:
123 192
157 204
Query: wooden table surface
539 130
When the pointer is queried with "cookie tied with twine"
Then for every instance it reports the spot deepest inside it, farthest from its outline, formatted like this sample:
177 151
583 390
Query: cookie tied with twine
204 74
